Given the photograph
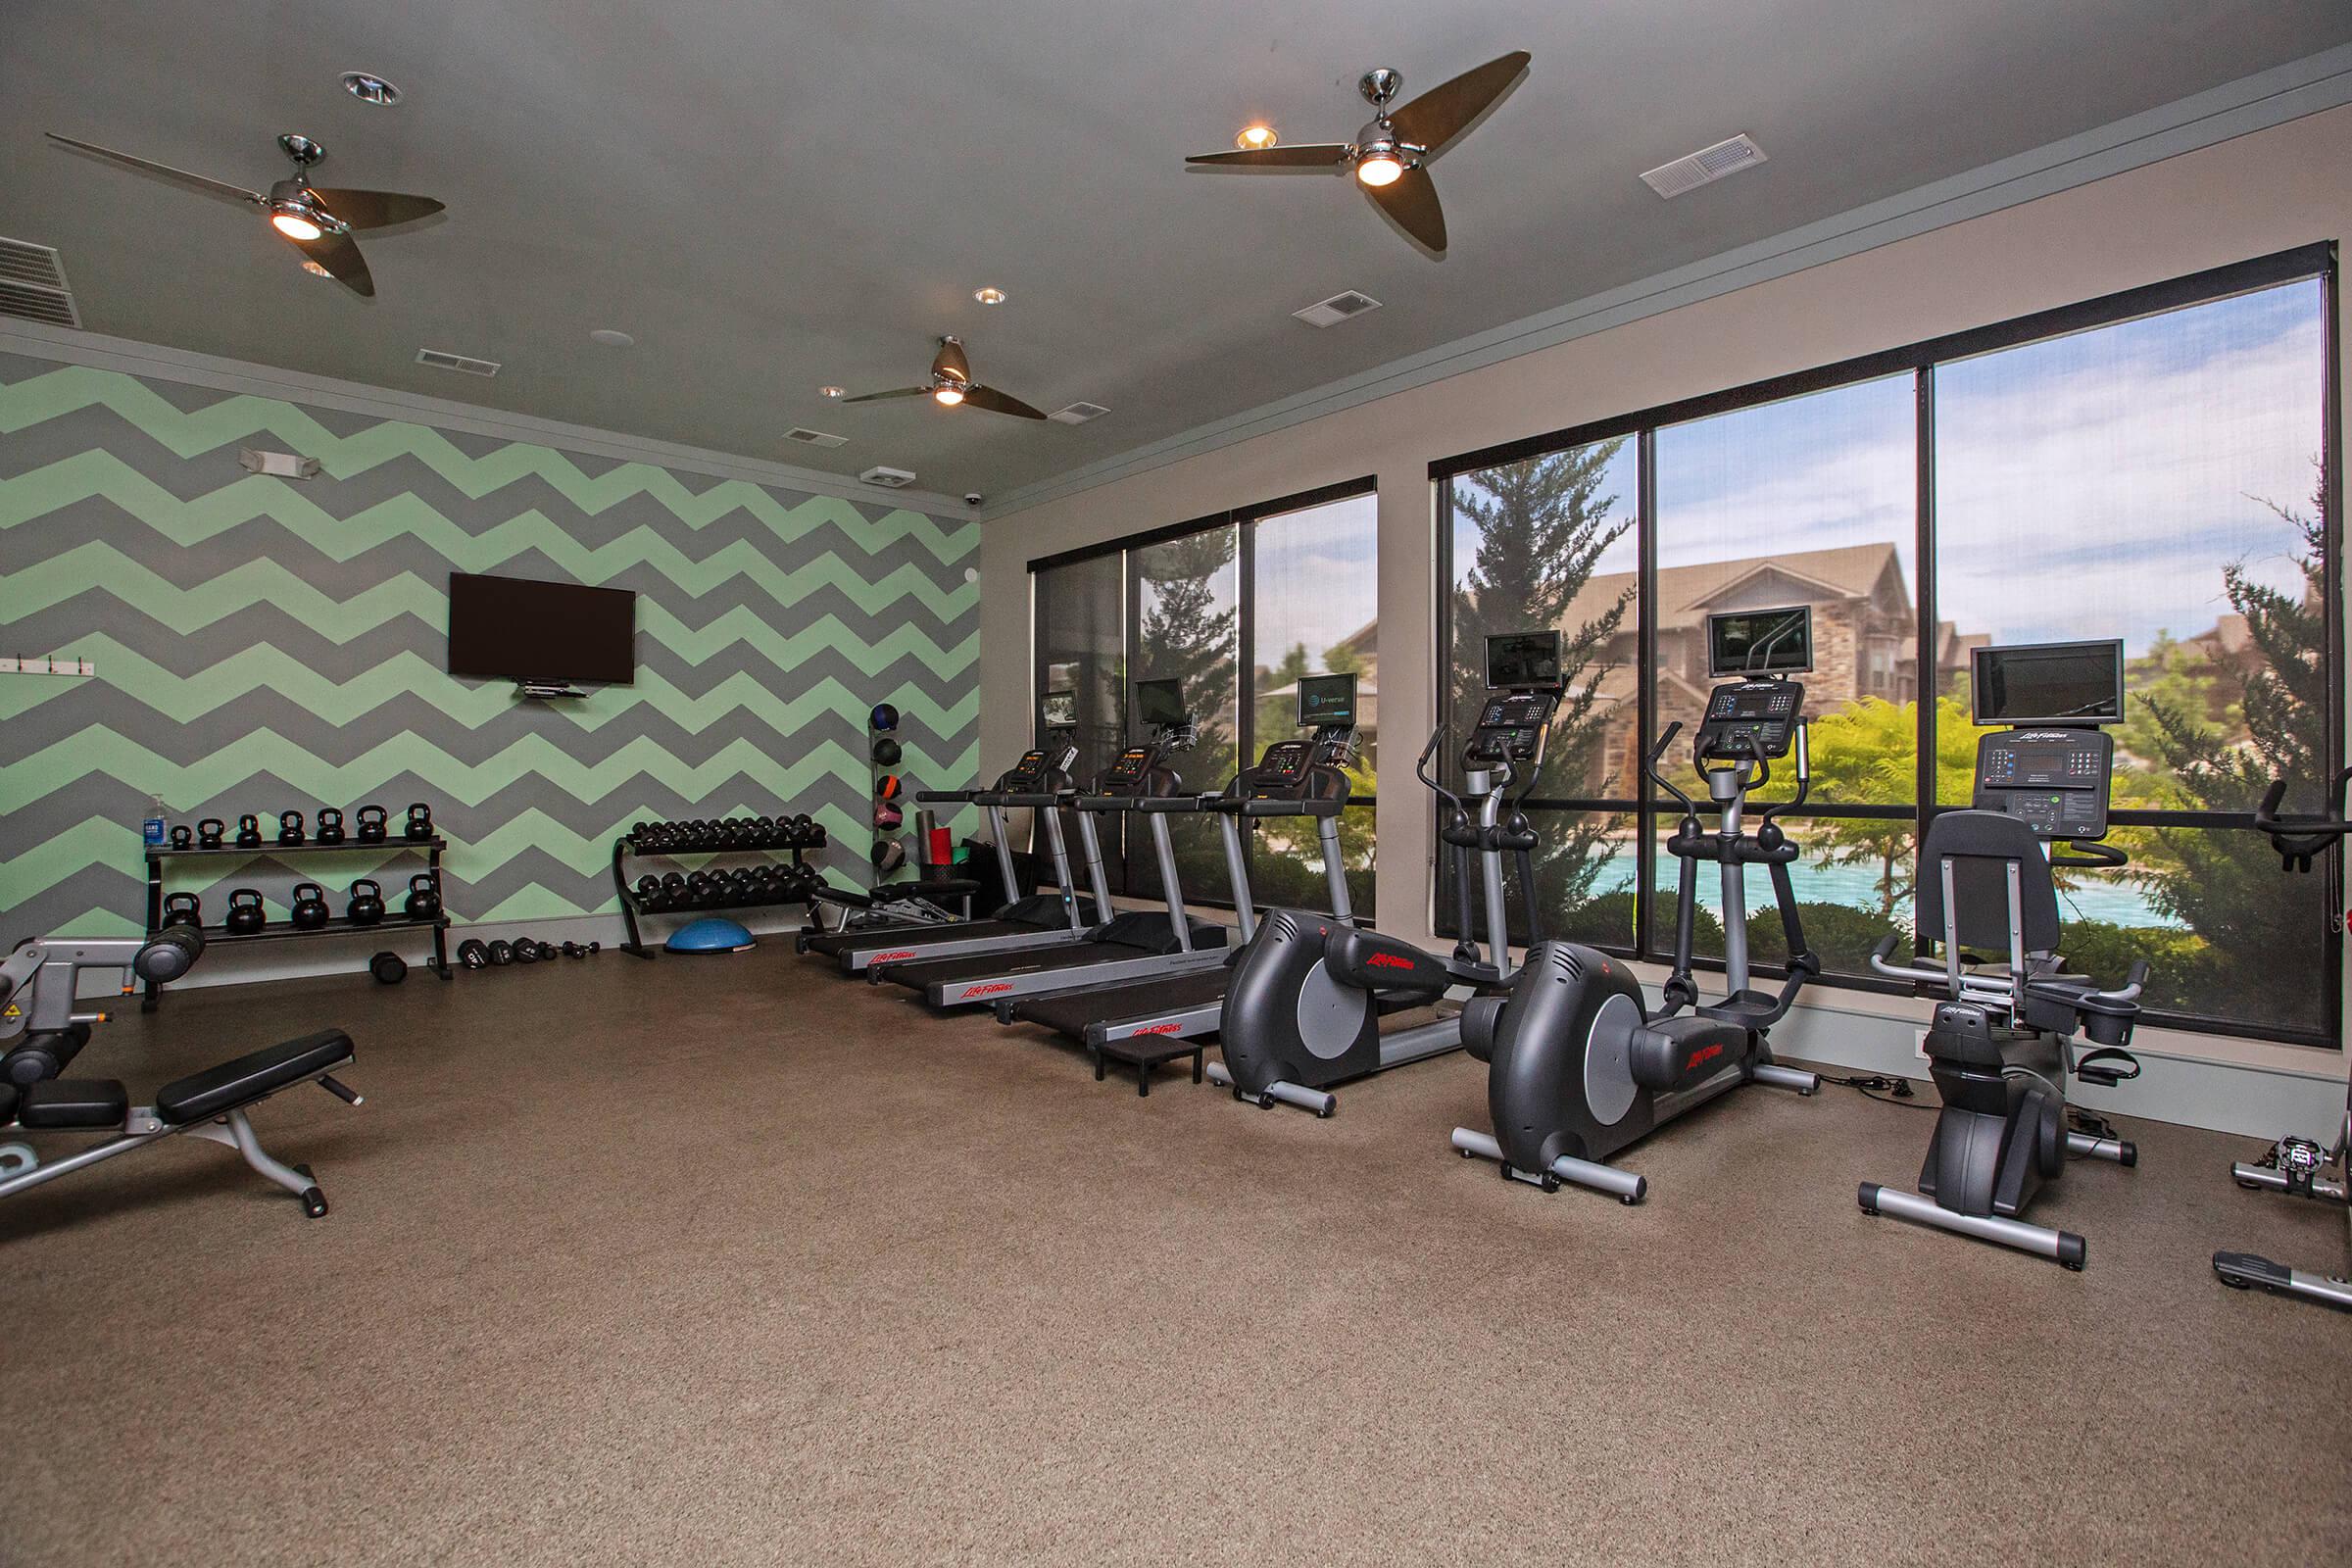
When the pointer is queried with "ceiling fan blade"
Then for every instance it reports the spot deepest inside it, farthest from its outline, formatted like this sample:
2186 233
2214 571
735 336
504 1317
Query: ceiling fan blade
1411 199
996 401
1443 112
1311 155
901 392
374 209
340 255
147 165
949 362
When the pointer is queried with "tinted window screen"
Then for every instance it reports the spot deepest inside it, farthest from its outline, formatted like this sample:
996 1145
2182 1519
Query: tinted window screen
525 630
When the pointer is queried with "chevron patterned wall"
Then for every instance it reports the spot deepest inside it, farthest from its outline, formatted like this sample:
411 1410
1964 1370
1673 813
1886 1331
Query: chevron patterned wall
264 645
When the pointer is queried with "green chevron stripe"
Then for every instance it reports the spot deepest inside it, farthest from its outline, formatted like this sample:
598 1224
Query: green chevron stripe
188 523
97 922
233 419
101 752
264 669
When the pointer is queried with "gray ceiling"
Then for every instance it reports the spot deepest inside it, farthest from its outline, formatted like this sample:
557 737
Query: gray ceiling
774 197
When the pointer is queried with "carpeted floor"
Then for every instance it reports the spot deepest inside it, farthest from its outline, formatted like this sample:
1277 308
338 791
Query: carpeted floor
734 1261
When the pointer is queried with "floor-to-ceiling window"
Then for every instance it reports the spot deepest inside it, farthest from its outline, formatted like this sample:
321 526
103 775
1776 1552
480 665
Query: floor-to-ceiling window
2150 468
1237 606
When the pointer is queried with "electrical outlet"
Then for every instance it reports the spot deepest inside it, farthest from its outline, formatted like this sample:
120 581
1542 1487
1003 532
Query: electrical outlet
8 663
1919 1045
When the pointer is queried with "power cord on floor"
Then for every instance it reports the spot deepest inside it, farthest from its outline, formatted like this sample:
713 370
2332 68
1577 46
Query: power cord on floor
1885 1090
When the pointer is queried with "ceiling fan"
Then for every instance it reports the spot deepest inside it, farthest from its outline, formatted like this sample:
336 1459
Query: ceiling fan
315 219
952 383
1391 155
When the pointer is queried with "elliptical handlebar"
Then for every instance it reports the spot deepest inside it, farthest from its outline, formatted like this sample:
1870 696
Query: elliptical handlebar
1804 776
2300 840
1421 769
1657 754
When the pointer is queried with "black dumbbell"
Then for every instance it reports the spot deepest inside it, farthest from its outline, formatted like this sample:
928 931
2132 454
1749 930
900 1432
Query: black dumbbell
309 910
423 902
649 896
388 967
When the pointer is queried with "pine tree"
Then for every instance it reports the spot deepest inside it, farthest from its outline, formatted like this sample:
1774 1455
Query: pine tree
1183 635
1543 526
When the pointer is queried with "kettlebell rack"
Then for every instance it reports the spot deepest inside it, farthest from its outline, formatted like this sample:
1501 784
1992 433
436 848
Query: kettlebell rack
281 930
735 835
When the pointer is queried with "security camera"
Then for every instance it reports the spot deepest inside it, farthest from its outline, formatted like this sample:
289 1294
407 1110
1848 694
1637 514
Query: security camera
973 498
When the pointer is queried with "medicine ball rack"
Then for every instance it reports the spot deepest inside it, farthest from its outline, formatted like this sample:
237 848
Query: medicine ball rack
735 835
281 930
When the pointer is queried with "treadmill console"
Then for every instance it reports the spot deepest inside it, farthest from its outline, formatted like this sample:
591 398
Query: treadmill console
1749 720
1510 728
1298 770
2056 781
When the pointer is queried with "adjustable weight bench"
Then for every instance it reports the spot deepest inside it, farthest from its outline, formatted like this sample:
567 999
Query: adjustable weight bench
40 978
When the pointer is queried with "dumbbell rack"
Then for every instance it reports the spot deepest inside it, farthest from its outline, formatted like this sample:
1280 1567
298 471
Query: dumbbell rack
281 930
632 908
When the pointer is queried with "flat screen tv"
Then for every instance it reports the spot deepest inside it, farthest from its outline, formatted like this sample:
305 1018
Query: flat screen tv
1160 703
1523 662
1327 700
525 630
1760 642
1058 711
2049 684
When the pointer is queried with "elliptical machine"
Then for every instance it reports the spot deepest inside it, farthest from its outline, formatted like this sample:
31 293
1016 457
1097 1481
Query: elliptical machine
2002 1044
2299 1166
1304 1009
1576 1065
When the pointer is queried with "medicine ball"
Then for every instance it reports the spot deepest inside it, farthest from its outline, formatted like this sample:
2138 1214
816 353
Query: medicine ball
888 787
889 854
886 752
888 816
883 718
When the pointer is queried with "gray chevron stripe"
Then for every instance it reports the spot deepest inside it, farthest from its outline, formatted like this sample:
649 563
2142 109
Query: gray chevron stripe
340 744
188 479
96 520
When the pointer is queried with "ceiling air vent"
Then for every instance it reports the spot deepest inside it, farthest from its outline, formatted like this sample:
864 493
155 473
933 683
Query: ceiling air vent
1705 167
887 478
442 359
1078 412
32 285
1336 309
814 438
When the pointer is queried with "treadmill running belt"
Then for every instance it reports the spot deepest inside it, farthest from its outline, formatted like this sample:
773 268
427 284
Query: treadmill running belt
1028 961
918 936
1072 1012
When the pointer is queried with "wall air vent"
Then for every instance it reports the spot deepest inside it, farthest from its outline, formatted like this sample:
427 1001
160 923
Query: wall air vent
1078 412
442 359
887 478
814 438
1705 167
1336 309
32 285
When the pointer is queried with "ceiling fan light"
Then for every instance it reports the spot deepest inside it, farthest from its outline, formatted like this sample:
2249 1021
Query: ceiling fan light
1257 138
948 396
295 224
1380 169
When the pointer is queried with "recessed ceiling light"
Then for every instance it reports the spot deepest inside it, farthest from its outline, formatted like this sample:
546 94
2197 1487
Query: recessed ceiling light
989 296
830 391
611 337
1255 138
369 88
315 271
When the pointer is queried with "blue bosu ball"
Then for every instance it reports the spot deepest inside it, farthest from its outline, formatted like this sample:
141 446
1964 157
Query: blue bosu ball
710 935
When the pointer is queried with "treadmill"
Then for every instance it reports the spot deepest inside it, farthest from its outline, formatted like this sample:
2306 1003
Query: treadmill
1296 779
1039 781
1133 945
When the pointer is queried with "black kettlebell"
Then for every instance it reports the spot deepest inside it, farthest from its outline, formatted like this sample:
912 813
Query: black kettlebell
249 832
289 827
210 832
330 825
309 910
183 909
501 954
182 838
421 822
423 902
388 967
366 905
246 915
370 823
472 954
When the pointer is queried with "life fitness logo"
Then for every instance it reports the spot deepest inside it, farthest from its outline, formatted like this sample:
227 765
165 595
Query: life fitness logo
1699 1057
1386 961
1154 1029
988 990
893 957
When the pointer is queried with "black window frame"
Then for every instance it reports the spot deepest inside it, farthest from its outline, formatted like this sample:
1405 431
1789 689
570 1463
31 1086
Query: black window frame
2315 261
1244 521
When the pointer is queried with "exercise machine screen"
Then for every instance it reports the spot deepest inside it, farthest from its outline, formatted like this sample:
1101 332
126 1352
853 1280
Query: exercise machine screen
1760 642
1058 709
2049 684
1326 699
1527 660
1160 703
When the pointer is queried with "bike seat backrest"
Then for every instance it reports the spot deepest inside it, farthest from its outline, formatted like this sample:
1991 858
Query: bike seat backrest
1980 847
